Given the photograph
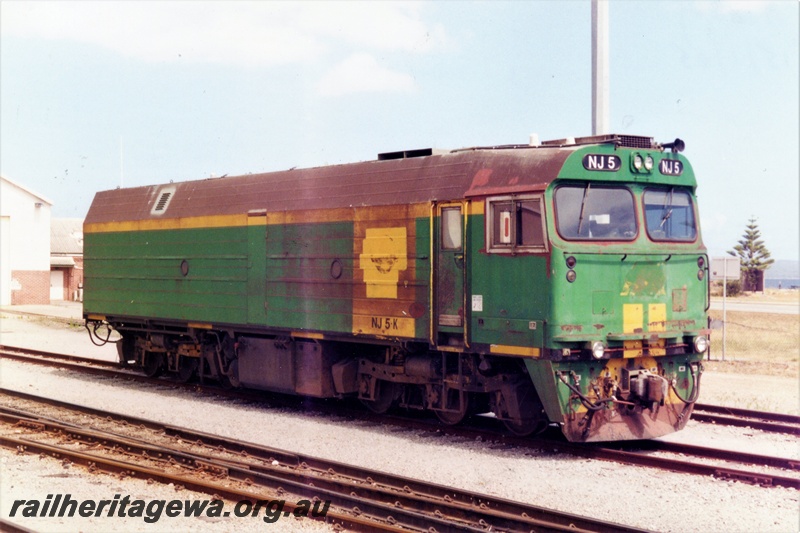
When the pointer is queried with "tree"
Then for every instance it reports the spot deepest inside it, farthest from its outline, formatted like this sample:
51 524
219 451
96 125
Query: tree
753 255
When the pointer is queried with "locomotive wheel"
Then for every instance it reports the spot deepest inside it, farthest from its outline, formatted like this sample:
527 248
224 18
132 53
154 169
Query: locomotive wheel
126 349
153 364
451 418
187 369
523 428
385 393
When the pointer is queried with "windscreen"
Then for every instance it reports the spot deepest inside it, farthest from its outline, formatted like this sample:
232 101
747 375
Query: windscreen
592 212
669 215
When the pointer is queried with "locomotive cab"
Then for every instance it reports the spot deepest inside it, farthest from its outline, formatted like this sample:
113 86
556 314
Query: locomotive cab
629 295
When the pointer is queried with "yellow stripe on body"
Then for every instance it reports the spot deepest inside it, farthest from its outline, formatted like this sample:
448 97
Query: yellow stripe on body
523 351
306 335
345 214
150 224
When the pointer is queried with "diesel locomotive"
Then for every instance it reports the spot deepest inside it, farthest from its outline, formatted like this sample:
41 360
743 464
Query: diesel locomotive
558 283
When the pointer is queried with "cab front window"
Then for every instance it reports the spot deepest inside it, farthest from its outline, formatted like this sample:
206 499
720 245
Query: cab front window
669 215
593 212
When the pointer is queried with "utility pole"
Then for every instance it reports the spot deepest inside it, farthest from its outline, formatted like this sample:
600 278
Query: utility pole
600 92
121 167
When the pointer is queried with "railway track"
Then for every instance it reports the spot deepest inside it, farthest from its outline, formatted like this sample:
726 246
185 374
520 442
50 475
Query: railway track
361 499
676 457
730 416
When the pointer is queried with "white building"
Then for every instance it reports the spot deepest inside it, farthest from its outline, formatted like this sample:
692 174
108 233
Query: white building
24 245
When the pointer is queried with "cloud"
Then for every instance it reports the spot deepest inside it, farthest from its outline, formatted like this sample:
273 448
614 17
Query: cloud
239 33
361 73
383 25
733 6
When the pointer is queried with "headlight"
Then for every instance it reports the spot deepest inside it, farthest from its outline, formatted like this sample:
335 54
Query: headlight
638 163
700 344
648 163
598 350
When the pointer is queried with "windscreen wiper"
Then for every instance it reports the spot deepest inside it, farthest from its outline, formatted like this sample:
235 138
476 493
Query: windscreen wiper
583 207
667 209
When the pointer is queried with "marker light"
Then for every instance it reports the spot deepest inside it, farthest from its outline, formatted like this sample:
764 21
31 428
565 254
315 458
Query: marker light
700 344
571 262
648 163
598 350
571 275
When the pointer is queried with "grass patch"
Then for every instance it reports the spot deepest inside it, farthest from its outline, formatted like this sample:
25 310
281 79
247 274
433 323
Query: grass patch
761 343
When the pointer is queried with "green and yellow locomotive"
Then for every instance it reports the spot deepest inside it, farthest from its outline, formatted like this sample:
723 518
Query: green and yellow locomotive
560 283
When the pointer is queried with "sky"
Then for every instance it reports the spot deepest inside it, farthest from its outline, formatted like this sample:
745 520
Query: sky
94 95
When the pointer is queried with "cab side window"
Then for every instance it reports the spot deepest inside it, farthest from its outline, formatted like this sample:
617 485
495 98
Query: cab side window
515 224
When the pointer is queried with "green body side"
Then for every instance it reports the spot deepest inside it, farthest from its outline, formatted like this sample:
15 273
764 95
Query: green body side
138 274
514 292
279 276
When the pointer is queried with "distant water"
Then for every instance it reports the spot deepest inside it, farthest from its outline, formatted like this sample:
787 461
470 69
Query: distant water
784 283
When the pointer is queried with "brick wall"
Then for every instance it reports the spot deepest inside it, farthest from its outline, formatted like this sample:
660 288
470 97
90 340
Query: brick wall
30 287
73 279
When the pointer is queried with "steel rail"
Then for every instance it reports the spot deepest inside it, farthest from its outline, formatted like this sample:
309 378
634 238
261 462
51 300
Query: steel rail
94 462
614 452
761 420
16 352
747 413
407 501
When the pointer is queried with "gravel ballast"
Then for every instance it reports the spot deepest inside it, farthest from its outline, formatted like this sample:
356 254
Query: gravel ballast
635 496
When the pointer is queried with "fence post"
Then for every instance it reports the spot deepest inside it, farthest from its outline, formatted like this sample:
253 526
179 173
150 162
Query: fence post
724 299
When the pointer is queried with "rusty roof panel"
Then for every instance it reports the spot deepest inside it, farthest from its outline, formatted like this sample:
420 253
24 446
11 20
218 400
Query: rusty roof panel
449 176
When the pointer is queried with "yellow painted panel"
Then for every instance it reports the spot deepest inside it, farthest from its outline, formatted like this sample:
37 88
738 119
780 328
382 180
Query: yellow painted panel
384 257
657 321
476 208
632 320
632 317
198 325
657 317
514 350
632 349
384 325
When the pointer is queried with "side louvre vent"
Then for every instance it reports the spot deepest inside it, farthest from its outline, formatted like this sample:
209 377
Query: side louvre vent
162 200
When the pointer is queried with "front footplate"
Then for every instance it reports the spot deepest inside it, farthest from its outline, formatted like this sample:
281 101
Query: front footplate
618 399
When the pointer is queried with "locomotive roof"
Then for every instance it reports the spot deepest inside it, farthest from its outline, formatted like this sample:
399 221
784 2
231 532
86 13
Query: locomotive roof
395 178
